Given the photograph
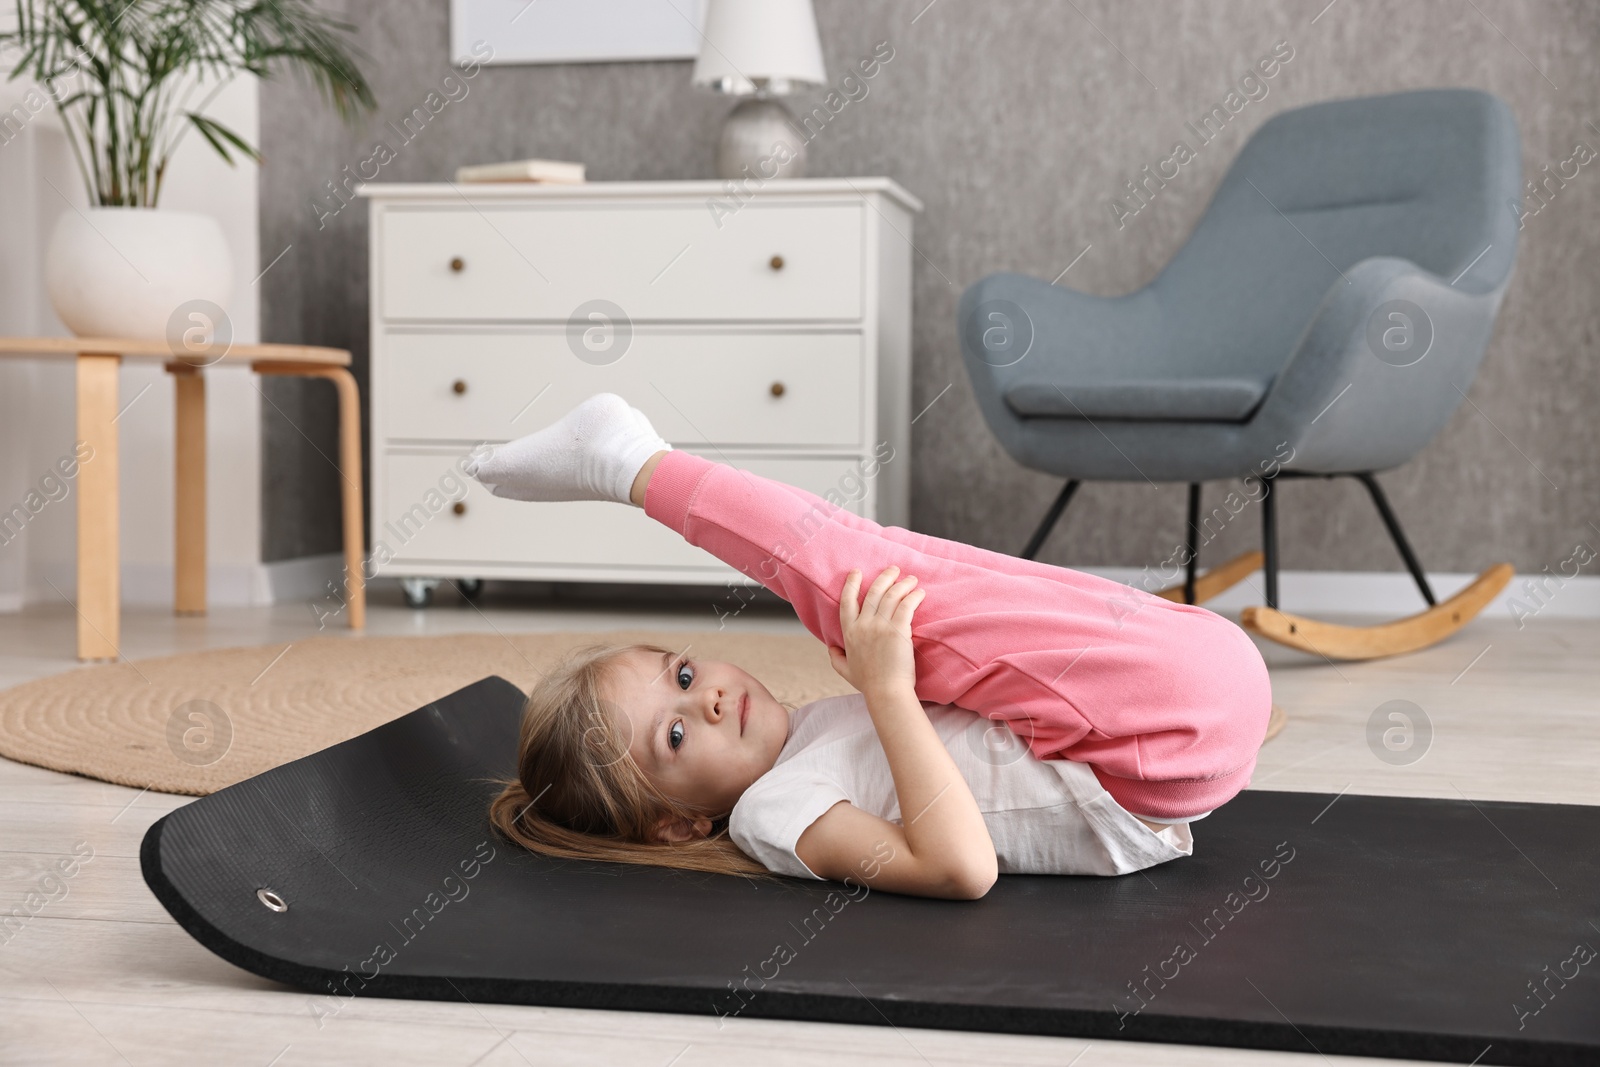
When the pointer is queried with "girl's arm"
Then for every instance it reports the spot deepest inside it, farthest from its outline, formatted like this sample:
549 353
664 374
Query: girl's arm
941 847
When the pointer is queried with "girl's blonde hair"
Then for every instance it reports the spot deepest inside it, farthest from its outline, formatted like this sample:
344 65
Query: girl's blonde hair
578 794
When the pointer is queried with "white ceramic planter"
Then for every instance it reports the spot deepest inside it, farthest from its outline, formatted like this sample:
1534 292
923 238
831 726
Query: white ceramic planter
136 272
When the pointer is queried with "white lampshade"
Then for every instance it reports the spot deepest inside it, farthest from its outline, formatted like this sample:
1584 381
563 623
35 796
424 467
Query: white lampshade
774 40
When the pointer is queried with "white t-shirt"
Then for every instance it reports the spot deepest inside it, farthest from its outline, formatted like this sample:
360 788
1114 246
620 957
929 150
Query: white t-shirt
1044 816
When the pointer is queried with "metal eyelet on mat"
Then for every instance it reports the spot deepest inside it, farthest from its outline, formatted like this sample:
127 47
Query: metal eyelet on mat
272 900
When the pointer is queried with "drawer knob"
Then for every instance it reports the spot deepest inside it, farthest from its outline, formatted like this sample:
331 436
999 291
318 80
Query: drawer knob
458 264
776 262
777 388
458 387
459 507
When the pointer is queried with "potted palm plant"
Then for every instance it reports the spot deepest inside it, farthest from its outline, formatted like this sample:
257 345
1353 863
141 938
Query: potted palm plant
130 79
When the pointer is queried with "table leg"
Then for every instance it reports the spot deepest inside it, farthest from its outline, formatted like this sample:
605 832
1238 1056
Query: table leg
350 483
99 562
355 582
189 483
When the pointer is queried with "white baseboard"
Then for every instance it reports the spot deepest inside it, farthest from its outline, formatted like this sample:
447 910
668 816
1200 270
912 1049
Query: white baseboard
1380 593
231 585
1391 593
305 578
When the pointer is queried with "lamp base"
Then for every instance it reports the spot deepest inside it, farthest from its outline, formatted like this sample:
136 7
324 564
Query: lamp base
759 141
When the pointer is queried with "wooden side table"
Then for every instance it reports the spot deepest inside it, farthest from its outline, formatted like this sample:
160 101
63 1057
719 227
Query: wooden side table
99 557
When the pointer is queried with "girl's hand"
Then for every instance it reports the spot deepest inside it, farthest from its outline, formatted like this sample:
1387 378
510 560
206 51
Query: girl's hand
943 847
877 654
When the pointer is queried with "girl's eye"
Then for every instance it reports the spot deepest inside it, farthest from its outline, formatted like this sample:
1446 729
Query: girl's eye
675 735
684 668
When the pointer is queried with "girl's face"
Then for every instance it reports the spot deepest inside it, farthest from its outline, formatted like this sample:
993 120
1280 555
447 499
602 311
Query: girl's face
701 730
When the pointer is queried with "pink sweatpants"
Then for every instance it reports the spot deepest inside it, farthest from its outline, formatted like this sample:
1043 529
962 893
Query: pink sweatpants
1167 703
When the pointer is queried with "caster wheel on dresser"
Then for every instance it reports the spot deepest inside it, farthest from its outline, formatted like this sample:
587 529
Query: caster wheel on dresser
418 591
470 588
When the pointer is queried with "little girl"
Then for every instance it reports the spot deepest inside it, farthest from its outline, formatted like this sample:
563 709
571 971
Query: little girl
1032 719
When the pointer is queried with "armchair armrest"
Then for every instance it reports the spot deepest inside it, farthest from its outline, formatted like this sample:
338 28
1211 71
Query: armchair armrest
1018 328
1384 362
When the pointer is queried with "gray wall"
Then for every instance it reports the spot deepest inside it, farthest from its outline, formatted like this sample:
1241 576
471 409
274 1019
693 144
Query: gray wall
1017 122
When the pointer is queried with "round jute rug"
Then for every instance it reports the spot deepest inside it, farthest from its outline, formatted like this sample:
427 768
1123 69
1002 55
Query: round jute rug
196 722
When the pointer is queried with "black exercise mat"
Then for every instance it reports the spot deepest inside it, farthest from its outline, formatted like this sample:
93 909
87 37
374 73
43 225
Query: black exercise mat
1429 929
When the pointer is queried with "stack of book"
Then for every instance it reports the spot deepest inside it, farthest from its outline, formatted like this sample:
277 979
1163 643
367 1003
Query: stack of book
552 171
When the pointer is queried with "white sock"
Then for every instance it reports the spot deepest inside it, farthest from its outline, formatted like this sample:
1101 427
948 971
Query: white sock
593 452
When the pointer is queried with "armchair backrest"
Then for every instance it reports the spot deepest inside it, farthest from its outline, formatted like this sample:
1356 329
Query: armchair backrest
1433 176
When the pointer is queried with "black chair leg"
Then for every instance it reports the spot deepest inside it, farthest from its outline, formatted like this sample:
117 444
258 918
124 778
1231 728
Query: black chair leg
1189 543
1400 542
1050 518
1269 539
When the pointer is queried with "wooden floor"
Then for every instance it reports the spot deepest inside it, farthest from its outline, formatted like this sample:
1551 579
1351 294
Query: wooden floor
103 975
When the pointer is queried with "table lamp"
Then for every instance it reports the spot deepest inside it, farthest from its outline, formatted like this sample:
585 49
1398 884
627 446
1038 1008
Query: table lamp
760 49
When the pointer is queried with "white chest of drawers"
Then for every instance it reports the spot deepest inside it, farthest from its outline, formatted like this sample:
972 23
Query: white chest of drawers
768 328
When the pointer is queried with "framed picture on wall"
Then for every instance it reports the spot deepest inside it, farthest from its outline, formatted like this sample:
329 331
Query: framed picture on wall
576 31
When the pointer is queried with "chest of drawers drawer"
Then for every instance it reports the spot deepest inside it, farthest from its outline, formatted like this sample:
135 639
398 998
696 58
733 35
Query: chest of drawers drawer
435 517
678 261
725 389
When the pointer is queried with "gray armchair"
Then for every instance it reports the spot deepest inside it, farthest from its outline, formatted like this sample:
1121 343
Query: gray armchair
1325 318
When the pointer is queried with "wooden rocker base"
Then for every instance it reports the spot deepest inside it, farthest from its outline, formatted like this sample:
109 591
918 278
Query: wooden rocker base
1409 634
1216 580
